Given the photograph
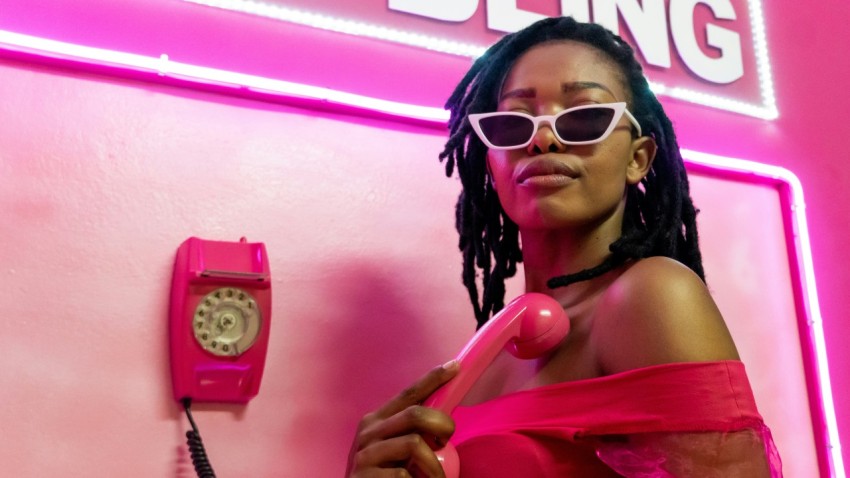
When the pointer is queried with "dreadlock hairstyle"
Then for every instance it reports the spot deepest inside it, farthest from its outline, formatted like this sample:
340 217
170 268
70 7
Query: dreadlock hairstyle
659 219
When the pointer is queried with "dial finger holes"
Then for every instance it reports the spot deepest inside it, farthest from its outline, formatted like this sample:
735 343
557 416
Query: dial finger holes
227 321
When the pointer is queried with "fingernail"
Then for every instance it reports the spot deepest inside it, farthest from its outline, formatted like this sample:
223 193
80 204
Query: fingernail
451 364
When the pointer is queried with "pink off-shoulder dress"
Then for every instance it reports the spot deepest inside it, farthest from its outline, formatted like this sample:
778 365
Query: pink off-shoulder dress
673 420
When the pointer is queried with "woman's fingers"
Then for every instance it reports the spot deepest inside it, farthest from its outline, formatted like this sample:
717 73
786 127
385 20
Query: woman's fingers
413 419
403 452
420 390
390 441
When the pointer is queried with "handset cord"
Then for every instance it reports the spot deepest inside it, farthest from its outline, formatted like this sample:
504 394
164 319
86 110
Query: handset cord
196 447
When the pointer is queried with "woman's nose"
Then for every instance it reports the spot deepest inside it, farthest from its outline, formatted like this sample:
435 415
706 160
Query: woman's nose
545 141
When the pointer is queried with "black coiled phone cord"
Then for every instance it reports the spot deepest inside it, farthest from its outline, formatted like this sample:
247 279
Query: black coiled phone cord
196 447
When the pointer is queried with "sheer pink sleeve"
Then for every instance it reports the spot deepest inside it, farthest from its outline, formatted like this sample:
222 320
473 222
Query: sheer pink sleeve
747 453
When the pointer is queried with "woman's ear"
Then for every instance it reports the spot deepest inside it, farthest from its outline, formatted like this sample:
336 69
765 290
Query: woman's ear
490 171
643 153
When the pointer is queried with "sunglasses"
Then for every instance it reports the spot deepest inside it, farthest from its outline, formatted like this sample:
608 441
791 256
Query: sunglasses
587 124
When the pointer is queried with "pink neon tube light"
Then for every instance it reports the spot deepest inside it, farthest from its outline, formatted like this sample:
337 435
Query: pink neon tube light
166 71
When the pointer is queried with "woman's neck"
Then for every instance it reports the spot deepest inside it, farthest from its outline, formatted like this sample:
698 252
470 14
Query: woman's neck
548 254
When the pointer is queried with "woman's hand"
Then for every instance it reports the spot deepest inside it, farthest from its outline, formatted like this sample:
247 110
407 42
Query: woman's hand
390 441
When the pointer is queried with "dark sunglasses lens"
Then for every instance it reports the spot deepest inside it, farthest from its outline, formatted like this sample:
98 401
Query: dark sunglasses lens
584 125
506 130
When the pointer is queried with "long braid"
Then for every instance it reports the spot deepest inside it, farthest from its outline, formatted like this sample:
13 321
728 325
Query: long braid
660 218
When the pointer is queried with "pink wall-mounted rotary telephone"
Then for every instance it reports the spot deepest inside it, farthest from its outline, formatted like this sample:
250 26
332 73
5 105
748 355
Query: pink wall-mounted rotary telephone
219 320
530 326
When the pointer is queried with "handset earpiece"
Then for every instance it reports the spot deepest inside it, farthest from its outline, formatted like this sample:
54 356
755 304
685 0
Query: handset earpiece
530 326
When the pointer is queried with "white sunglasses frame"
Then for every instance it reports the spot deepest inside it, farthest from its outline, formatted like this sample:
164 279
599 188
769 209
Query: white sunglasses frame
619 110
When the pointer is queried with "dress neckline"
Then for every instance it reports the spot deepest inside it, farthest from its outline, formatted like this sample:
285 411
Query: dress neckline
604 379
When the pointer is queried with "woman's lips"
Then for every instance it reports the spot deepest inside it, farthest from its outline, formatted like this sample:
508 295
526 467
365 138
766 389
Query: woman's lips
547 181
546 173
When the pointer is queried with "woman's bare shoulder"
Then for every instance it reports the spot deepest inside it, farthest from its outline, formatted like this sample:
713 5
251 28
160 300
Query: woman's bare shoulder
658 311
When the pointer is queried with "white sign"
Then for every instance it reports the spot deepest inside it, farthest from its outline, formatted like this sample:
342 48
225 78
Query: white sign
650 23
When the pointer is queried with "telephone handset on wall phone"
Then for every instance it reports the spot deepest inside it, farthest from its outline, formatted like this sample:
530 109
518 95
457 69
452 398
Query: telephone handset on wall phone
530 326
219 320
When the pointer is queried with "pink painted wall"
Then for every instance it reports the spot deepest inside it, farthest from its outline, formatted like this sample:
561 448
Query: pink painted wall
103 178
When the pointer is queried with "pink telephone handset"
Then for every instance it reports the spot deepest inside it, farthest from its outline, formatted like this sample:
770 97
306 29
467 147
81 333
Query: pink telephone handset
219 320
530 326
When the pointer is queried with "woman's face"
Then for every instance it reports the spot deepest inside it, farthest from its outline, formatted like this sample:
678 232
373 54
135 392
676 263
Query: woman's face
549 185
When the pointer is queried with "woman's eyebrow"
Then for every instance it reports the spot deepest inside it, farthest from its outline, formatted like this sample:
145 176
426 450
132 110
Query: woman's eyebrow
519 93
584 85
570 87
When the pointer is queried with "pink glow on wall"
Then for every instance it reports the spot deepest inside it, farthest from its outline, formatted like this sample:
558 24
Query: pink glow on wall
256 87
202 77
107 178
162 69
438 36
805 290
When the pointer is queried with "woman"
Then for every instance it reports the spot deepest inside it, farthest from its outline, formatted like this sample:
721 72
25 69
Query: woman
561 147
